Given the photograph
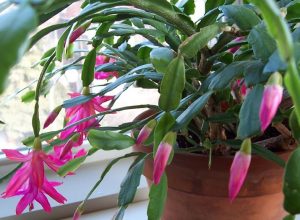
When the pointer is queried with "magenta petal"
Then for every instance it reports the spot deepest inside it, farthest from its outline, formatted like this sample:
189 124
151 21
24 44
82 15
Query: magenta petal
100 60
37 166
238 172
52 192
67 148
16 155
42 199
71 111
160 161
103 99
80 153
51 163
102 75
24 202
17 181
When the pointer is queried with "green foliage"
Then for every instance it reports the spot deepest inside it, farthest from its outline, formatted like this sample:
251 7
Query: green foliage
108 140
88 68
160 58
157 199
194 43
71 166
192 111
131 182
294 125
172 85
163 126
14 41
249 114
189 63
291 183
28 96
258 39
244 17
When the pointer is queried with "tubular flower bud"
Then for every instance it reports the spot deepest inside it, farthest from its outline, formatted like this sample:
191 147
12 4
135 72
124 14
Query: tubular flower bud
78 32
145 132
271 99
239 169
73 142
78 212
53 115
162 156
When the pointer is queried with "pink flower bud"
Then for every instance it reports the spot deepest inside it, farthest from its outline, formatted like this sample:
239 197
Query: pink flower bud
70 144
239 169
78 32
271 99
78 212
162 156
52 116
145 132
234 49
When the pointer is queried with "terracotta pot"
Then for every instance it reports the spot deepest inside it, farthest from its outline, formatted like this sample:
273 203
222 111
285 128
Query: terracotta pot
196 192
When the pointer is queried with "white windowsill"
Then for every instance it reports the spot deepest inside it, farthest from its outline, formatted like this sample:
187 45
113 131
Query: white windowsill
136 211
76 187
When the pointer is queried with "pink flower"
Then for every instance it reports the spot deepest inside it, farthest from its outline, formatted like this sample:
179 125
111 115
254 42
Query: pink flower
100 60
63 153
239 169
30 180
82 111
234 49
162 156
52 116
145 132
78 32
271 99
239 85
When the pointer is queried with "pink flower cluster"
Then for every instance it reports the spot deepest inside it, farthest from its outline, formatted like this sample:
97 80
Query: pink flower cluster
100 60
30 181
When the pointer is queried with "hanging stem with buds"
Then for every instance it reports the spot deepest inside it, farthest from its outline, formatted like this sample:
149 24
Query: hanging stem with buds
35 118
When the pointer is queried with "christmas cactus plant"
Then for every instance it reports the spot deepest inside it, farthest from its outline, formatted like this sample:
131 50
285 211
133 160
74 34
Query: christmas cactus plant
229 84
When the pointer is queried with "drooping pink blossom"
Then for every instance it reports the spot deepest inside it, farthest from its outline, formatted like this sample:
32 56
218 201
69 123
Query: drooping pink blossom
79 112
100 60
162 156
30 180
53 115
145 132
239 169
271 100
63 153
78 32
